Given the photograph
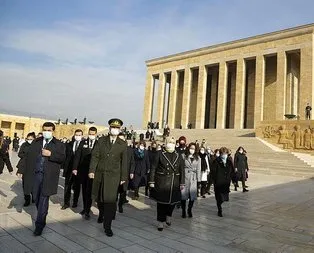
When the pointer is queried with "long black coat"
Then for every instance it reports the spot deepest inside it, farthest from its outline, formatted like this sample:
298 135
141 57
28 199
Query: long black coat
130 166
52 166
240 162
22 154
82 158
141 169
68 164
221 175
167 173
109 163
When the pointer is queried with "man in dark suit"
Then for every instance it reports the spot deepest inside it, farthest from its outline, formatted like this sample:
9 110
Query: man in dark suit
108 167
122 190
41 176
81 168
70 179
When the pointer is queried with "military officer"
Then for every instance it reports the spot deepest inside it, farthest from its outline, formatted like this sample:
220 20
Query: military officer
108 167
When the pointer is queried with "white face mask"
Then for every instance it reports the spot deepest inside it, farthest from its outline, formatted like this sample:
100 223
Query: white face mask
92 137
202 151
158 148
170 147
142 147
224 156
114 131
217 154
29 141
78 138
47 135
240 151
192 151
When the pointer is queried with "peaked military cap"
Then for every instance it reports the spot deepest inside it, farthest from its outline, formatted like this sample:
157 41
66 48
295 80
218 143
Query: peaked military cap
115 122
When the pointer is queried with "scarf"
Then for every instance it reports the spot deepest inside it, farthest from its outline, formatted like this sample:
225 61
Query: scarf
203 162
139 153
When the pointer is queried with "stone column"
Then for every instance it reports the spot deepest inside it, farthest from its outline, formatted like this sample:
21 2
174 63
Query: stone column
186 98
222 96
259 89
281 85
201 98
306 80
161 99
173 99
239 95
148 99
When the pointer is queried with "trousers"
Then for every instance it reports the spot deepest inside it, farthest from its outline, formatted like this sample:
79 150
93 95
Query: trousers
71 182
87 185
108 212
164 210
42 202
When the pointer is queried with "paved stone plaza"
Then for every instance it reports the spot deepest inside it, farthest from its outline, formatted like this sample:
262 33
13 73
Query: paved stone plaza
275 216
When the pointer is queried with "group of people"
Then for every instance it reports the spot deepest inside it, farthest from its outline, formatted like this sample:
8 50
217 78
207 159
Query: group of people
105 168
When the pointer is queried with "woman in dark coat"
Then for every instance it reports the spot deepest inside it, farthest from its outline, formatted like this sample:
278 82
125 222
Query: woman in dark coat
141 168
221 175
241 167
166 179
21 164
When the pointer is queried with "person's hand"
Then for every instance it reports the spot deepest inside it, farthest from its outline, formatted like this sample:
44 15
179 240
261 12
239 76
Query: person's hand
19 175
91 175
122 182
131 176
74 172
182 187
236 169
152 185
46 152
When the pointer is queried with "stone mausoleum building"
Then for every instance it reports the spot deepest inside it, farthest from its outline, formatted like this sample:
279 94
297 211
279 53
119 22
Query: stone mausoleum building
235 85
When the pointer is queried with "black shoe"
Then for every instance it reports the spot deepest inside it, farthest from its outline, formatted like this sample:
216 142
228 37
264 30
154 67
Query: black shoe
220 213
82 212
37 232
108 232
204 197
168 223
190 213
246 186
236 189
120 209
64 207
87 216
125 201
160 229
245 190
100 219
74 205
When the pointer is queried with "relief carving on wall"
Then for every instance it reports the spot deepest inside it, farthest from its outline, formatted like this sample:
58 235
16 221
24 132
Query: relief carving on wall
295 138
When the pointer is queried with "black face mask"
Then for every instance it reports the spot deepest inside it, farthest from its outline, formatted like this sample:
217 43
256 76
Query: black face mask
154 149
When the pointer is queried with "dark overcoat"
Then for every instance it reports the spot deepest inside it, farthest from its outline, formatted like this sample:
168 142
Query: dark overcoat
68 163
51 167
141 169
82 158
130 166
109 163
22 154
240 162
167 174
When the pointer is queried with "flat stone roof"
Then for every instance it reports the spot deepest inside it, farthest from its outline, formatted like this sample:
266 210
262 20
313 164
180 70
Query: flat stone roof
281 34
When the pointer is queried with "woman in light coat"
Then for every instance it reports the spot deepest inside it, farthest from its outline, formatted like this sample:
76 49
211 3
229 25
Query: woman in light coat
192 167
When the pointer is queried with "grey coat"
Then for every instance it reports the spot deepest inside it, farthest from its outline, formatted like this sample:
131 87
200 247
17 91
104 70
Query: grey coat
192 176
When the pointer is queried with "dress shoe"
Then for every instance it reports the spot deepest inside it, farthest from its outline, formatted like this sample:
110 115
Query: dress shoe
100 219
64 207
204 197
87 216
82 212
160 226
108 232
220 213
27 203
120 209
37 232
74 205
245 190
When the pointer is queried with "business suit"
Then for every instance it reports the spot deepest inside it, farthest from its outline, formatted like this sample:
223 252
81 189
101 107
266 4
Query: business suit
41 175
70 179
81 164
109 163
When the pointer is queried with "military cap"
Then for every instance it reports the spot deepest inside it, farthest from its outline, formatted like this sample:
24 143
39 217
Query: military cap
115 122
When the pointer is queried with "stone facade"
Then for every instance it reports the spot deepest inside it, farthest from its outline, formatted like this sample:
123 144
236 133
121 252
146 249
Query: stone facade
234 85
11 124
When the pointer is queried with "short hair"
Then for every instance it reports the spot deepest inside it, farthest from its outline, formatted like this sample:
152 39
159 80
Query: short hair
32 134
224 150
78 131
49 124
94 129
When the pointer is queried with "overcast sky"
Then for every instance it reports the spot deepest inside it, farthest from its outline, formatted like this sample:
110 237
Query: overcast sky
79 58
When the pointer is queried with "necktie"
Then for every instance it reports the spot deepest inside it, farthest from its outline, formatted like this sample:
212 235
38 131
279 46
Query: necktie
91 144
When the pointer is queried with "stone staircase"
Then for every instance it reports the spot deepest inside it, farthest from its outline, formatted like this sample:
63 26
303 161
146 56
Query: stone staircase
262 158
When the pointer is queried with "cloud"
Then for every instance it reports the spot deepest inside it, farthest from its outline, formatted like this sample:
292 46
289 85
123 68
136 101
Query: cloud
96 67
